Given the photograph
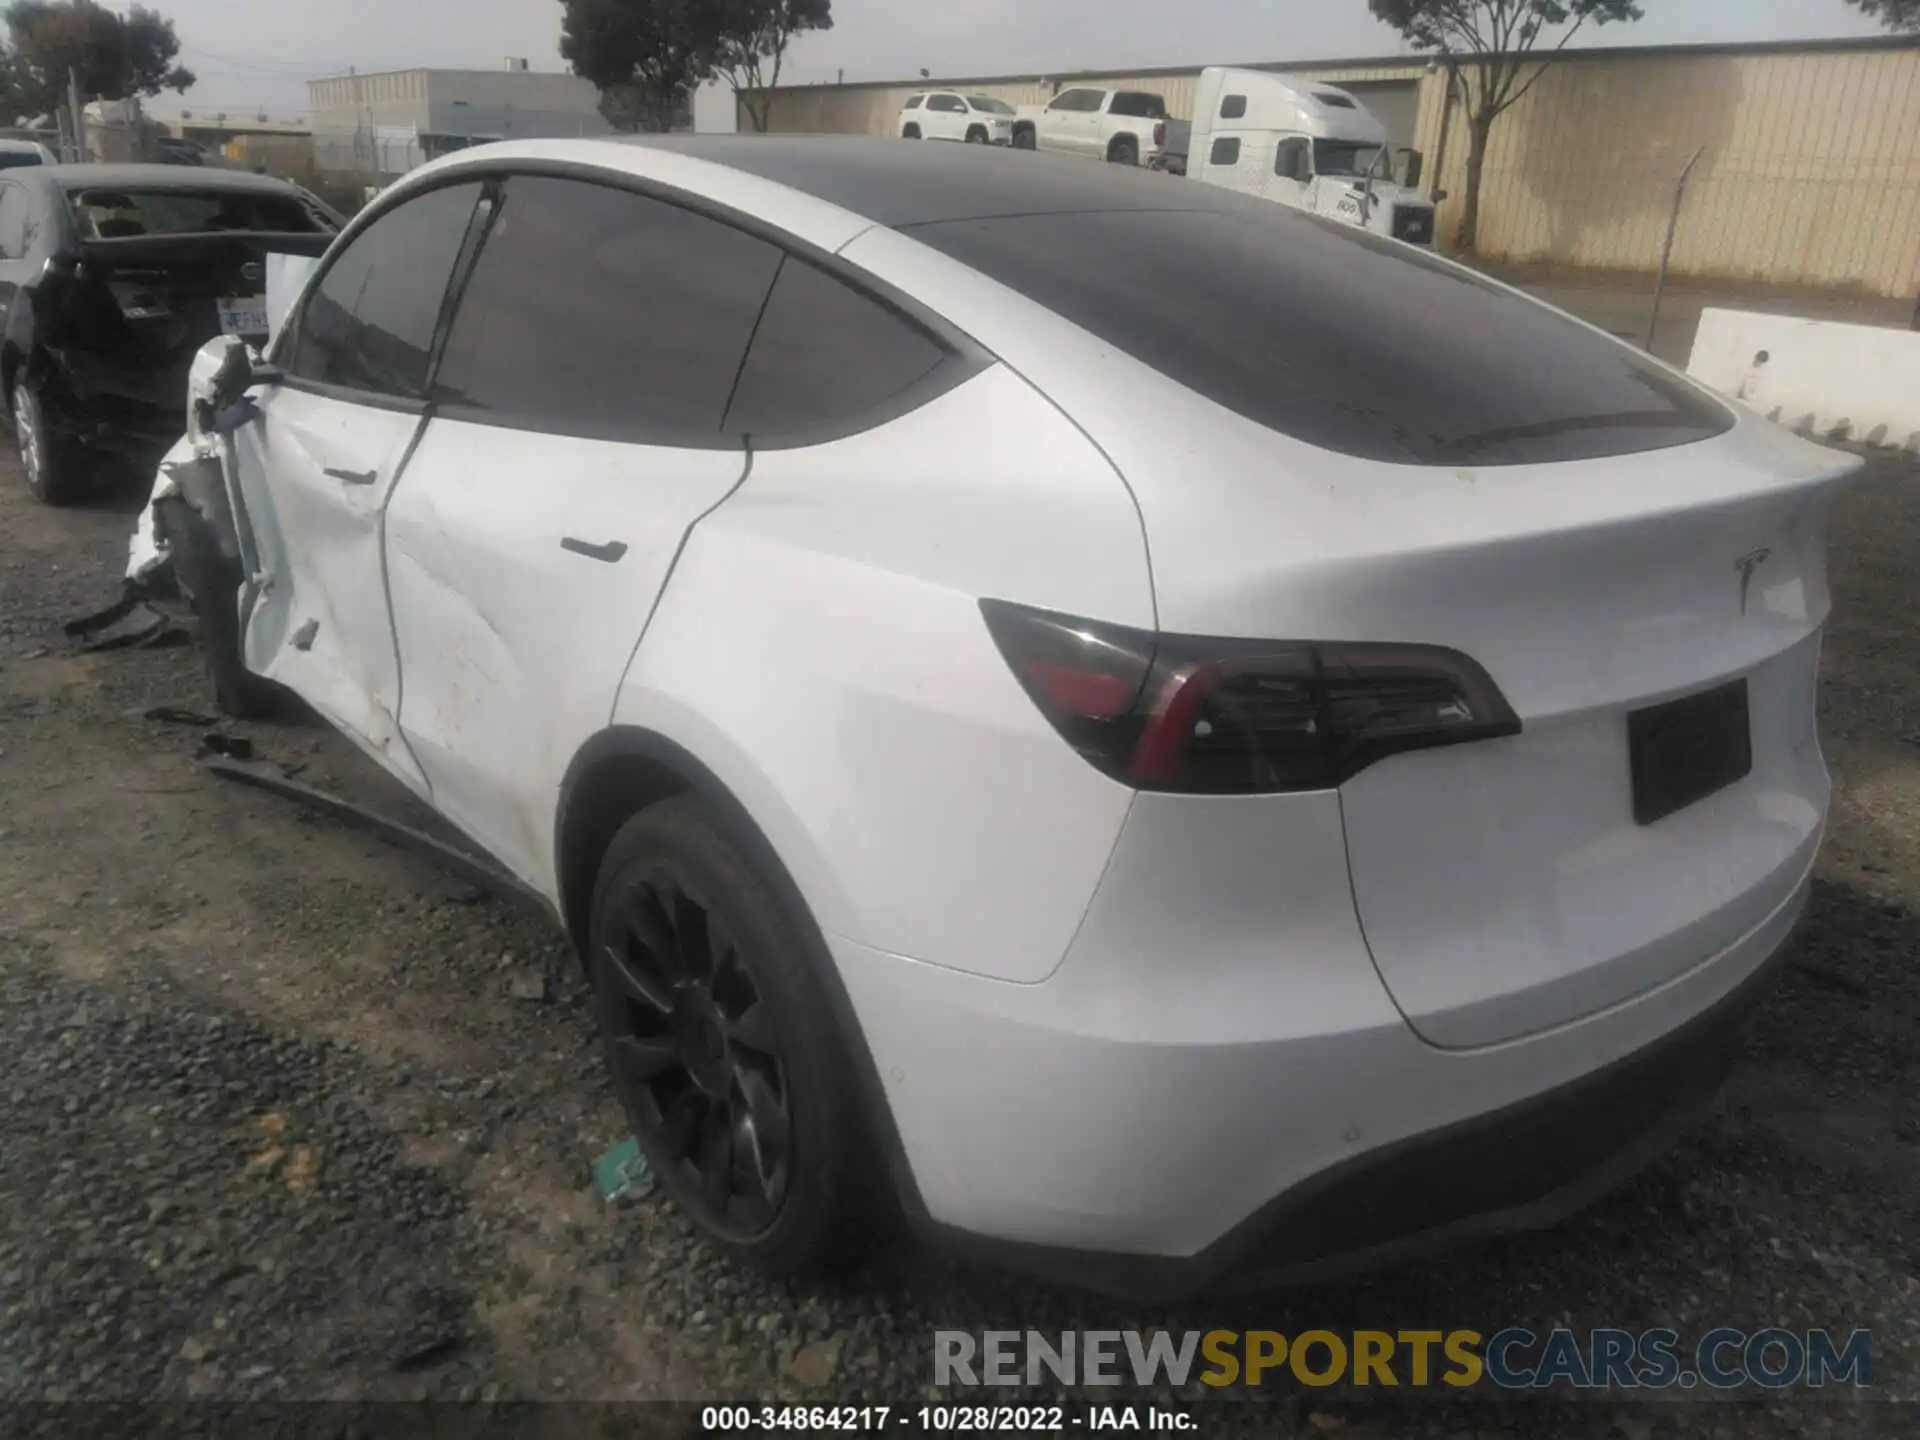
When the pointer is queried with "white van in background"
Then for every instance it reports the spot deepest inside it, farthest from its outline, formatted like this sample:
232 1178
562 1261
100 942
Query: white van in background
1308 145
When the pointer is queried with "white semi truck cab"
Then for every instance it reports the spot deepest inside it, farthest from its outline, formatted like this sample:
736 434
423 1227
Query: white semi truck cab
1312 146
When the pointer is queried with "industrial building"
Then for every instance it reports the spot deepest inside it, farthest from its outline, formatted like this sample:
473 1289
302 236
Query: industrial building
1809 168
381 125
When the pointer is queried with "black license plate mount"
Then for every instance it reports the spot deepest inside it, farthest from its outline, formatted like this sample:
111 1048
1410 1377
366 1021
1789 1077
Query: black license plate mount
1687 749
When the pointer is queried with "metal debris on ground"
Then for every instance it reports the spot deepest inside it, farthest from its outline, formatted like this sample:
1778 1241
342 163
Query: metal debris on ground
261 776
228 747
441 1347
622 1173
128 621
174 715
530 985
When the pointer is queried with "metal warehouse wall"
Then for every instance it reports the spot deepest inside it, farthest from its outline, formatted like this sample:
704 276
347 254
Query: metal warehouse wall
1810 176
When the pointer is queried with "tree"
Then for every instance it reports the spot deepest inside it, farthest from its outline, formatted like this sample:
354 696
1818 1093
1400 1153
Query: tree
1894 14
115 57
645 55
1488 45
750 42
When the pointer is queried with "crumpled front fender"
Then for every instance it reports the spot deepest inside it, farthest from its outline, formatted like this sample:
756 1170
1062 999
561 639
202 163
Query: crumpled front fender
195 470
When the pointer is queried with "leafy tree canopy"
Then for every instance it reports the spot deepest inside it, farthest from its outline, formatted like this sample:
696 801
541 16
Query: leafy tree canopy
115 56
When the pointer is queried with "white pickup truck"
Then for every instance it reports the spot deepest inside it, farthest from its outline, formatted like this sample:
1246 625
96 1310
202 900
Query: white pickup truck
1124 126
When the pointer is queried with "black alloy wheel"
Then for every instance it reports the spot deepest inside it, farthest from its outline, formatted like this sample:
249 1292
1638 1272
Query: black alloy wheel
695 1051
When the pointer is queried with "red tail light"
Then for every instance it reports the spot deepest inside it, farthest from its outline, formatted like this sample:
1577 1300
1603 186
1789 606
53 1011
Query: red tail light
1160 133
1194 715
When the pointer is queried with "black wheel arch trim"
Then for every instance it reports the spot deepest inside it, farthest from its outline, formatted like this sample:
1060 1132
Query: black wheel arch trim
628 743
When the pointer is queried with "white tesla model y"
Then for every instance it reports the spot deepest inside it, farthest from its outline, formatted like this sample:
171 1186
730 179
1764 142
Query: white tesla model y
1175 738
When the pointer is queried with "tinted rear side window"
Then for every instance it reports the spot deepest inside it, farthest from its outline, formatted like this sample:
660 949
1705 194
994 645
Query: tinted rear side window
825 356
1340 339
595 311
1139 104
370 323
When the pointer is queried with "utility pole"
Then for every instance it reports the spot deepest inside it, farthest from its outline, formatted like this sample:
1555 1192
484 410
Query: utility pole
79 115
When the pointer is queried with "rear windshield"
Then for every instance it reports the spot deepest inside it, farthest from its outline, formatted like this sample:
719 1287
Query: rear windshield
105 214
1349 342
1140 104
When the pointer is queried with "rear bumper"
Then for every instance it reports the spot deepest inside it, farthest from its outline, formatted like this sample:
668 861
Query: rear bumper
1206 1088
1524 1167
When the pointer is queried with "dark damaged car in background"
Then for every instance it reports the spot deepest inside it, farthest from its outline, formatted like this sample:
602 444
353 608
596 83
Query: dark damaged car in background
111 278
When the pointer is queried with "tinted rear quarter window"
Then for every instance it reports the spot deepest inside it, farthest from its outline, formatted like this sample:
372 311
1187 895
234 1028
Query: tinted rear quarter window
599 312
1348 342
825 355
370 322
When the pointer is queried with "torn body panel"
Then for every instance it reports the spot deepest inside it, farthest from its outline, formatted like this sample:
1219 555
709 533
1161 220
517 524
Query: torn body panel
192 469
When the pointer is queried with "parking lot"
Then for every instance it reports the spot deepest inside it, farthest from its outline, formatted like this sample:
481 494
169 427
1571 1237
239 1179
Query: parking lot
287 1115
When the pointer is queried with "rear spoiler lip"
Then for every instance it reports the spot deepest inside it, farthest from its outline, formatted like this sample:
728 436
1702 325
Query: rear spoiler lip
133 247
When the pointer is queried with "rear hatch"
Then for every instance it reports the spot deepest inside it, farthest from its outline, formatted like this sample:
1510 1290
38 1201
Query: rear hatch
1511 884
1666 793
162 268
1366 444
145 305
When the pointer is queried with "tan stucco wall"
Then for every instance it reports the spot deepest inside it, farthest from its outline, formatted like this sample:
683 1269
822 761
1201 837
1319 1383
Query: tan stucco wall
1810 173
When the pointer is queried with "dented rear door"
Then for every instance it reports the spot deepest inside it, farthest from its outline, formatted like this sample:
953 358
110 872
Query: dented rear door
317 466
576 438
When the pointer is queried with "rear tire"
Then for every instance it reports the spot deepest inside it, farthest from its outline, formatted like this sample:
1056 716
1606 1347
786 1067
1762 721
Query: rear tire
50 460
912 132
1125 150
1023 139
210 582
722 1042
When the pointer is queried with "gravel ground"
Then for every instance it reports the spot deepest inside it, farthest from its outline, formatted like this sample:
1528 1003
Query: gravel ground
280 1123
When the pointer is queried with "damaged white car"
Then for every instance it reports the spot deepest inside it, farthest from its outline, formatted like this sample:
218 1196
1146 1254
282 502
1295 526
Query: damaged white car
1005 666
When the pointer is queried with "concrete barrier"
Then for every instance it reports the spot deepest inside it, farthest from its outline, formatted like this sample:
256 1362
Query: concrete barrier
1859 382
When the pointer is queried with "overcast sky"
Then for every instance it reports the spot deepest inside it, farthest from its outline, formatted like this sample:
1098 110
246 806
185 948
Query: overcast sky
250 54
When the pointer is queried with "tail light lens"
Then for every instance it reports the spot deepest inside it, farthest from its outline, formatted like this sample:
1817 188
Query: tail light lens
1239 717
1160 133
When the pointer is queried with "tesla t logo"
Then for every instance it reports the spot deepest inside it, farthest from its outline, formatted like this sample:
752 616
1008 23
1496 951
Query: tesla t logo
1746 565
